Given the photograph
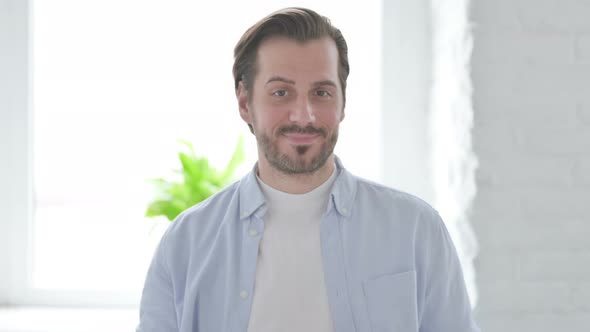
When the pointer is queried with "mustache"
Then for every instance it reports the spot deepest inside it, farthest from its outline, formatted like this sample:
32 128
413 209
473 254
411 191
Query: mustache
302 130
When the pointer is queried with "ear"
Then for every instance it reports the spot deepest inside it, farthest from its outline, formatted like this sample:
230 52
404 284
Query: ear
242 96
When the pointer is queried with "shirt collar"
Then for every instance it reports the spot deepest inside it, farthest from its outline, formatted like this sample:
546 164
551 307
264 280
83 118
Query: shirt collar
251 197
342 195
344 189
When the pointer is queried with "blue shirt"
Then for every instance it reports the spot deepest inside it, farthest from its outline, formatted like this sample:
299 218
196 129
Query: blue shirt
389 263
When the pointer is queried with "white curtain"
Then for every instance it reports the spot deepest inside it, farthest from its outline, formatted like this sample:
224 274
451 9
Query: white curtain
454 162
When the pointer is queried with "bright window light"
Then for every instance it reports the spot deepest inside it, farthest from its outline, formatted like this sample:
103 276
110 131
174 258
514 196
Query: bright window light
116 84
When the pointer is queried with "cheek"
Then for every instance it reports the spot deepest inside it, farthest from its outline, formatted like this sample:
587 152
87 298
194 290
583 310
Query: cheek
330 119
271 114
267 120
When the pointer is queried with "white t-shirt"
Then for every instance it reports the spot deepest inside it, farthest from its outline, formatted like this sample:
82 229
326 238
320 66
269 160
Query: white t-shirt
289 291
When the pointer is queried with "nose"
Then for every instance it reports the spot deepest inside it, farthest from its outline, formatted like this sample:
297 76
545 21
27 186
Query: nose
302 112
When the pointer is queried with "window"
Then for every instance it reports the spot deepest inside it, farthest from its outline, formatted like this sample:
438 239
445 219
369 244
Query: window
114 85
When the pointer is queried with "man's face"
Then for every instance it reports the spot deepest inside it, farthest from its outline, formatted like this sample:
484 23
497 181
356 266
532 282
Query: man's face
295 103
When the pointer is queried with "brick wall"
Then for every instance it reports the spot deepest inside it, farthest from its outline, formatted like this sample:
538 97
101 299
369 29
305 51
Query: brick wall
531 77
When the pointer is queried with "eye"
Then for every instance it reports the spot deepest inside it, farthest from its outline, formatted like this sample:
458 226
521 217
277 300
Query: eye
280 93
322 93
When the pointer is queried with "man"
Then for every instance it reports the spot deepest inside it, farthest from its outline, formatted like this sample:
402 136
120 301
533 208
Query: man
300 244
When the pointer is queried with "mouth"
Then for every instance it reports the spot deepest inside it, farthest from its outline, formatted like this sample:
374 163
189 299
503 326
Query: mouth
301 138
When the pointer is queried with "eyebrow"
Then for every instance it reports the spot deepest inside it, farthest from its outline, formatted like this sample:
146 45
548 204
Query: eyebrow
288 81
280 79
326 82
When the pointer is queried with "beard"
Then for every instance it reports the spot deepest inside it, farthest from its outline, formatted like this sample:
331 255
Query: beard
301 163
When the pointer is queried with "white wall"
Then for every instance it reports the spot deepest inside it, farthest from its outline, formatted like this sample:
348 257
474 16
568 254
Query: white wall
14 116
531 76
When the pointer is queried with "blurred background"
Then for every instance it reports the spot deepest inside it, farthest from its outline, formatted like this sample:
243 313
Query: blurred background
480 107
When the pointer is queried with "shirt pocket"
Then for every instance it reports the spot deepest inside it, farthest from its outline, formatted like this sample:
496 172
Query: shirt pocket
391 302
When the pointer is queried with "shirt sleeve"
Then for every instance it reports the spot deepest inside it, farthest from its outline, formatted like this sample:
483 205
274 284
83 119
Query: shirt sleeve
445 306
157 310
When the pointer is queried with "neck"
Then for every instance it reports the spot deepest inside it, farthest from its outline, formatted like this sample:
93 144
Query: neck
294 183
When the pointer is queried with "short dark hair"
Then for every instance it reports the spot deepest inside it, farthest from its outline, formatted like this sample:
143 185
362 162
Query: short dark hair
300 24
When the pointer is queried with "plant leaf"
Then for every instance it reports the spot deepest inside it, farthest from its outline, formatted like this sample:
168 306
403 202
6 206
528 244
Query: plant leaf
198 180
166 208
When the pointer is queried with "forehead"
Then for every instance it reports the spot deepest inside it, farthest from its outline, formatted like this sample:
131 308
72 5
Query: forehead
313 59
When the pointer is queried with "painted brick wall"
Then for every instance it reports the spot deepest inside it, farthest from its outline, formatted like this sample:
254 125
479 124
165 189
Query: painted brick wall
531 77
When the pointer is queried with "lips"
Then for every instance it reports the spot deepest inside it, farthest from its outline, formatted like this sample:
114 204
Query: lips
301 135
301 138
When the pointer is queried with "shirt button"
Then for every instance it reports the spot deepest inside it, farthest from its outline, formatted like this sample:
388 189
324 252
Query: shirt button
243 294
252 232
344 210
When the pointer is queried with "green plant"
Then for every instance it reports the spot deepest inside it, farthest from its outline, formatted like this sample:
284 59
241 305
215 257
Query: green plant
198 180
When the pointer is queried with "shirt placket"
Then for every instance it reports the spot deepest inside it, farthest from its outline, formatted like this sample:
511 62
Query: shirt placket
252 230
335 273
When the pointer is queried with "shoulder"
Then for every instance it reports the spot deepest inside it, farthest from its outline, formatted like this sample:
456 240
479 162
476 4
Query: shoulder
204 219
391 211
399 210
373 195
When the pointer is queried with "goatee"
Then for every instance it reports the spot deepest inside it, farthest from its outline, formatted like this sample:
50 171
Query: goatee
299 164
